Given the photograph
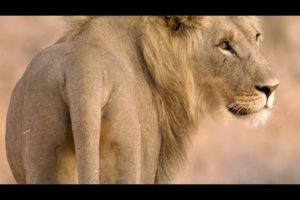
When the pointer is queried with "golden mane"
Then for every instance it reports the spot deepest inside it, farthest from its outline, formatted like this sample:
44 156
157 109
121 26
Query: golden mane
75 25
166 55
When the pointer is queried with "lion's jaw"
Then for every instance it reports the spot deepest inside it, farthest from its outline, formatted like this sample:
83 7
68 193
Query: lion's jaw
252 107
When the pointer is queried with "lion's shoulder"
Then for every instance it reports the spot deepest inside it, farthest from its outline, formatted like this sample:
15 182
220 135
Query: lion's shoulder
61 62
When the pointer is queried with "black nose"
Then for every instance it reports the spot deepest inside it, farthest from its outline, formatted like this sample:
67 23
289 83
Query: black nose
267 89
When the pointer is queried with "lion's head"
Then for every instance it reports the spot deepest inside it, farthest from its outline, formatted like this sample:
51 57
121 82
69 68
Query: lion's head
223 56
233 56
204 64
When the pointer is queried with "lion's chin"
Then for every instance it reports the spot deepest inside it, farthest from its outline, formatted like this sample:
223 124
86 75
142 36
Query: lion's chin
253 118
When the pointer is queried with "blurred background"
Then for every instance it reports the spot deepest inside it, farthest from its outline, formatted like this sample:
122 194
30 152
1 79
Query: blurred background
220 153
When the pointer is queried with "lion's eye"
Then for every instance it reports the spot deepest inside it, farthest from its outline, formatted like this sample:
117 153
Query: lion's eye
227 47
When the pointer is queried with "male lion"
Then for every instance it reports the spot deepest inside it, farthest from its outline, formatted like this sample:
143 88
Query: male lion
116 99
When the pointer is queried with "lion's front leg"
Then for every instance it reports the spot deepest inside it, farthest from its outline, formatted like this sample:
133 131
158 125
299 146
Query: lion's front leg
120 142
105 127
84 102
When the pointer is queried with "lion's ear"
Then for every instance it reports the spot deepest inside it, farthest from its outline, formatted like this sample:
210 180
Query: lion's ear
173 22
177 23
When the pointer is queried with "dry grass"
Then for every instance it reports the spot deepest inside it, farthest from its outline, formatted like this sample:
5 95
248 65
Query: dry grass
232 153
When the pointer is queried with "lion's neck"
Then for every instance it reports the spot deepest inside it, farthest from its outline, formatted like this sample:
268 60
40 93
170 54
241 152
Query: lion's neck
176 124
175 97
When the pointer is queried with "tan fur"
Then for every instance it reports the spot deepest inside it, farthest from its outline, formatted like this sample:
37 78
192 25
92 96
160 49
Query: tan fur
125 94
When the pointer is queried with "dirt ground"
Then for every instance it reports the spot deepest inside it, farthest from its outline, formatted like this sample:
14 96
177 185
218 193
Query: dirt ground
220 153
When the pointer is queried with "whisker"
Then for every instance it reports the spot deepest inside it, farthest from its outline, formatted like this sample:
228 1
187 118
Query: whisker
240 109
232 105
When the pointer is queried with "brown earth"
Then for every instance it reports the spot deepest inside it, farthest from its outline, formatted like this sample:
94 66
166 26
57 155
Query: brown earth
221 153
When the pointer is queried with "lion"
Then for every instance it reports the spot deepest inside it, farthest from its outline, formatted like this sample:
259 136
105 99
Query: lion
117 99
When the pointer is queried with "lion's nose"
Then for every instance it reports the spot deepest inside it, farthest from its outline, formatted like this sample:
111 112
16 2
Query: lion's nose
267 89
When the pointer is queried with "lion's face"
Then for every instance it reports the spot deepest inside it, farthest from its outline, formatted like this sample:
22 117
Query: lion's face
224 57
232 67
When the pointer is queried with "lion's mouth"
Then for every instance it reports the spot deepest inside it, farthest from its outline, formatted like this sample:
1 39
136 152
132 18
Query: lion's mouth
239 111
